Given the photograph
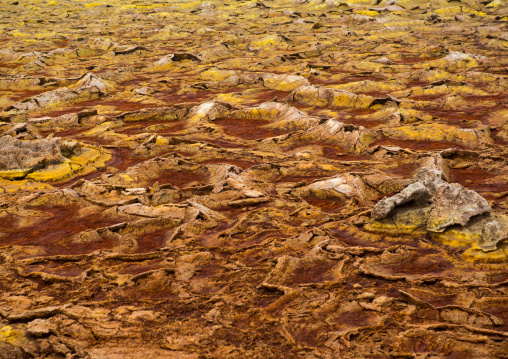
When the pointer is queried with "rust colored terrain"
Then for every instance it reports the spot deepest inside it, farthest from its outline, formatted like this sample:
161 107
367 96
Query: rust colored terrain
254 179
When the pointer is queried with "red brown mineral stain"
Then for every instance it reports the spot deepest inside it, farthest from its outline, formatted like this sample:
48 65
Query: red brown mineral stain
225 144
244 164
313 273
326 205
480 180
66 270
420 265
420 145
224 309
137 268
20 95
122 159
414 60
152 241
181 178
354 319
248 129
405 170
52 233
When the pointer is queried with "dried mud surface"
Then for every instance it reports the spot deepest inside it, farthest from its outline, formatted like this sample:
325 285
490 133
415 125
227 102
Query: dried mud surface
253 179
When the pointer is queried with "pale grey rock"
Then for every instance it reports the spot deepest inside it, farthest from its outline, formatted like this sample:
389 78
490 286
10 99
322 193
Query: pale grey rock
430 178
32 155
454 204
492 234
450 204
414 192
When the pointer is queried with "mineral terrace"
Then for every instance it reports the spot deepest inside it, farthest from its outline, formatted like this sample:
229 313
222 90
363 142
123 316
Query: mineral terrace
253 179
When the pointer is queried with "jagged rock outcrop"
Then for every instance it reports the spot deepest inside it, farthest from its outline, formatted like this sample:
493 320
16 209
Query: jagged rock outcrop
449 204
437 206
87 88
205 179
281 115
28 155
49 159
321 96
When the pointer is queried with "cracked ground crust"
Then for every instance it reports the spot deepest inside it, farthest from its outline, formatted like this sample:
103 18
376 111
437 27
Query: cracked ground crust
218 166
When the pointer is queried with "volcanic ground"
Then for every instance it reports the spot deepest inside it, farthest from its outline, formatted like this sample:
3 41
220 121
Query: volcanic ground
253 179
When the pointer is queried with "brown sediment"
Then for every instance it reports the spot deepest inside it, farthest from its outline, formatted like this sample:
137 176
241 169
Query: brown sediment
133 294
135 81
365 122
326 205
354 319
248 129
345 236
502 141
414 60
269 95
463 119
470 175
481 181
137 268
65 270
240 163
10 66
265 297
20 95
118 105
181 178
404 170
225 144
307 178
352 157
122 159
331 152
50 232
140 126
172 129
313 273
152 241
420 145
260 265
420 265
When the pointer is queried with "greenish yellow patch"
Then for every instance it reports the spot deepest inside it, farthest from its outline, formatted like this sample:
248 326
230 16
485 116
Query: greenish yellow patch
87 155
477 255
456 238
229 98
267 42
17 33
351 100
393 229
367 12
10 335
435 132
93 4
14 174
52 173
215 74
13 186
